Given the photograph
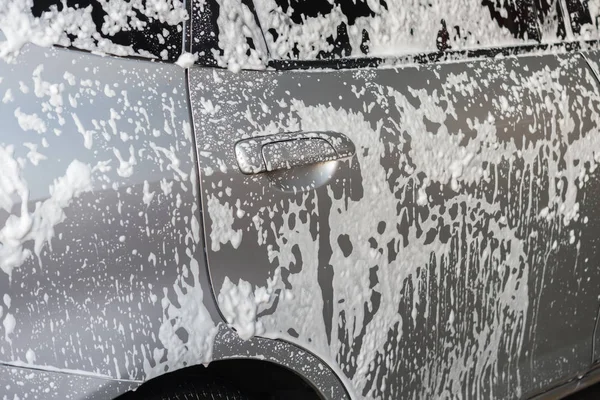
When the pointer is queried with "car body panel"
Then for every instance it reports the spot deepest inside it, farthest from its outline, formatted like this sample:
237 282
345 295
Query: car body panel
593 59
453 256
431 264
121 240
99 173
23 382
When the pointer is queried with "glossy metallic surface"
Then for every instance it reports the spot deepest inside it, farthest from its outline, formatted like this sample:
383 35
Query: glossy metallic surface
113 283
454 256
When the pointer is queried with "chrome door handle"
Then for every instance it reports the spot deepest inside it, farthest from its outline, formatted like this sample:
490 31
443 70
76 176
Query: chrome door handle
288 150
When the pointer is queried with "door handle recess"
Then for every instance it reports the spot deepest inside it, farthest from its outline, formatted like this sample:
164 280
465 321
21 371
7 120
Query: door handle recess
288 150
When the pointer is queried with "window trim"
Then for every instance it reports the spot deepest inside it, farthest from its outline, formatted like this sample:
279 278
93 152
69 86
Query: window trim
426 58
567 45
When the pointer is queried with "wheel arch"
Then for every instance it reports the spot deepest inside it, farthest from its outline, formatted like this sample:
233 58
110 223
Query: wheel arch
259 366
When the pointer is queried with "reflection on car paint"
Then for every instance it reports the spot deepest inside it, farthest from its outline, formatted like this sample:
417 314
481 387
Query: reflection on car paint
431 263
101 235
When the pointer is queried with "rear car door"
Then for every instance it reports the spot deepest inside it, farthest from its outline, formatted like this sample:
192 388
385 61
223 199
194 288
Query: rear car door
453 255
585 26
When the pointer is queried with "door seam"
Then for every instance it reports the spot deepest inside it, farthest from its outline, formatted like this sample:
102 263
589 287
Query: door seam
594 335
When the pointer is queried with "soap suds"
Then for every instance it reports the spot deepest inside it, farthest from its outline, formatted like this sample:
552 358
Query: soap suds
30 122
37 226
186 60
222 231
240 305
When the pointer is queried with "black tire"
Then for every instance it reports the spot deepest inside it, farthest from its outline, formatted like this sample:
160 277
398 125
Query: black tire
190 388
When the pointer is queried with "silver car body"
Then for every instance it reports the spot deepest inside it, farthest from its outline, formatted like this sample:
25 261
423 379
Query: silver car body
454 255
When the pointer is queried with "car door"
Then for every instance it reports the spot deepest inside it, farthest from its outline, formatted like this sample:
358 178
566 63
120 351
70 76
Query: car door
98 211
452 255
593 58
449 256
585 25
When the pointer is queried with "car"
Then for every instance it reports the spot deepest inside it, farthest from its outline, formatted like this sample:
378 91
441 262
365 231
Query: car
331 199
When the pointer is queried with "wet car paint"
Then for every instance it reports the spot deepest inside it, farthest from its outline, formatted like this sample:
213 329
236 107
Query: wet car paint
113 283
75 297
453 256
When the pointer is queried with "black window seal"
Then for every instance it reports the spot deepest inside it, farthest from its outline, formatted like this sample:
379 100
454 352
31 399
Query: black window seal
435 57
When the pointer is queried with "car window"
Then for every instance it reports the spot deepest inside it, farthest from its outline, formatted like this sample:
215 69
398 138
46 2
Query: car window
152 29
326 29
225 33
585 18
